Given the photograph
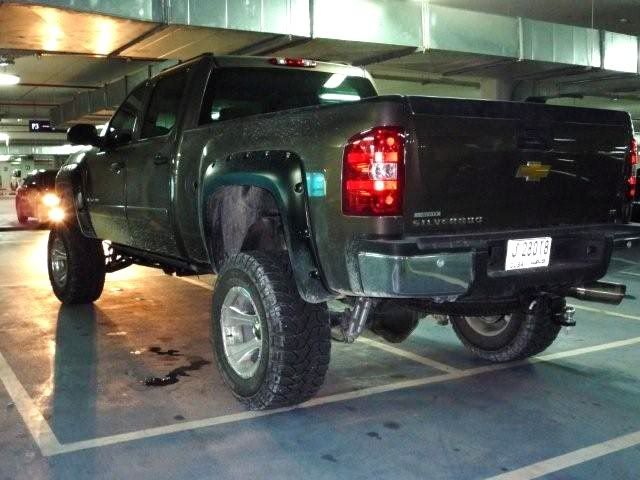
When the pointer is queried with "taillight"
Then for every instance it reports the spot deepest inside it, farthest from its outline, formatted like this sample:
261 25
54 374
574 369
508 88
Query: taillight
633 165
373 173
293 62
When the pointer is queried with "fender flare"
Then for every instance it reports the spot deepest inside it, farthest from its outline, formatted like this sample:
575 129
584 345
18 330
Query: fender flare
70 183
281 174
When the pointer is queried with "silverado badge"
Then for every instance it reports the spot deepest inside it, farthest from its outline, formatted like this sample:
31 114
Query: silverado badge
533 171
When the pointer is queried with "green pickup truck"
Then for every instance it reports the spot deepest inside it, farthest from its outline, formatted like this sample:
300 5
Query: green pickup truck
296 184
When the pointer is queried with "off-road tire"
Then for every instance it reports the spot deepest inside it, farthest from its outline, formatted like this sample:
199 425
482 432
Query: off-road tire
85 266
297 342
527 334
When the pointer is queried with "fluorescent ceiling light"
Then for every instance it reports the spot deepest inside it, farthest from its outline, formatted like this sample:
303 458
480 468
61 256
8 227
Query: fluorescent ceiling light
9 79
334 80
339 97
5 158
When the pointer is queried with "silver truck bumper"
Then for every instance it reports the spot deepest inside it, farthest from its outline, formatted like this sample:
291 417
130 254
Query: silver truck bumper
440 276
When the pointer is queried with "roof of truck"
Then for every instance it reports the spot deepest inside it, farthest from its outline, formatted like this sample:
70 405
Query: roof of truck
266 62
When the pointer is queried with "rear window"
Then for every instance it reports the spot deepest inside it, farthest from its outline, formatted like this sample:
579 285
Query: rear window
240 92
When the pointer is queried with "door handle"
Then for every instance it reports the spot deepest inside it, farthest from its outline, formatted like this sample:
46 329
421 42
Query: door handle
116 167
160 159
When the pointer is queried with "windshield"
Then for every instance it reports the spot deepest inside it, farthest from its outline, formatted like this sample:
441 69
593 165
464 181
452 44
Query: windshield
239 92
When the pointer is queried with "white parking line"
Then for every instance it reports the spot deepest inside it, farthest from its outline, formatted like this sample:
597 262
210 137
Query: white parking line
409 355
571 459
624 260
198 283
633 274
33 419
606 312
330 399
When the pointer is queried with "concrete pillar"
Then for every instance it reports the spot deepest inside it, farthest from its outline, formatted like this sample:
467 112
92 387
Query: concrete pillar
496 89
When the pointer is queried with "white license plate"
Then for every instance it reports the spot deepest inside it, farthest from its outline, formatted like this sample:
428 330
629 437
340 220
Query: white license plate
528 253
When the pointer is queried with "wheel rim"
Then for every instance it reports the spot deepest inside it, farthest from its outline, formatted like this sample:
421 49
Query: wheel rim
489 326
241 332
59 262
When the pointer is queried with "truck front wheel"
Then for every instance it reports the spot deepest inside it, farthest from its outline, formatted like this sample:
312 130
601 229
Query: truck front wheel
504 338
76 265
271 347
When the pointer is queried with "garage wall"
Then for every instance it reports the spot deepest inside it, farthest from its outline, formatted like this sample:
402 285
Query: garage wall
389 87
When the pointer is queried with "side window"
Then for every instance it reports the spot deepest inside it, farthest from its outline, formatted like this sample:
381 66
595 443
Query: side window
164 106
123 124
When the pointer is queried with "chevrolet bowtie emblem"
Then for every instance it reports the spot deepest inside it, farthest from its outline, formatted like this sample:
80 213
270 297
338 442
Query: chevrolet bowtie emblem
533 171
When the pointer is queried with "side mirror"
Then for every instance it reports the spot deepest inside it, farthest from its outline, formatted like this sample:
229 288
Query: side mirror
123 137
83 134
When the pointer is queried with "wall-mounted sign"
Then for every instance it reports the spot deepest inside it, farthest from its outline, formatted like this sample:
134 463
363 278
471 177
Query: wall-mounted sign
40 126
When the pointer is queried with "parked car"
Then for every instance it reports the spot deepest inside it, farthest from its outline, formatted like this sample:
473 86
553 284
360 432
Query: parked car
296 184
36 196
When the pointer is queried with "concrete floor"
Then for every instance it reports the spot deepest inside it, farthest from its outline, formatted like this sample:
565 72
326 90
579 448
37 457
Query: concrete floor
73 403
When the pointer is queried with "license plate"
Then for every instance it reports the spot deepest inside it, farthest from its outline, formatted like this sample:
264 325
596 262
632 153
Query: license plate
528 253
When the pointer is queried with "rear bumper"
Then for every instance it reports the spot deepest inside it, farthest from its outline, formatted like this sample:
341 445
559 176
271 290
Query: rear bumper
445 269
436 275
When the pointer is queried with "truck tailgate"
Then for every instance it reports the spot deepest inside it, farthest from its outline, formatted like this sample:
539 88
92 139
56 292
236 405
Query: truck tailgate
479 165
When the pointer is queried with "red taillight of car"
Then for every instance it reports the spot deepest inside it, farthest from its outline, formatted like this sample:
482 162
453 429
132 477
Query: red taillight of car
633 165
373 173
293 62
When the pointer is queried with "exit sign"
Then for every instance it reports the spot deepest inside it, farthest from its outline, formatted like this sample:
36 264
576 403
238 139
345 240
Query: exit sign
40 126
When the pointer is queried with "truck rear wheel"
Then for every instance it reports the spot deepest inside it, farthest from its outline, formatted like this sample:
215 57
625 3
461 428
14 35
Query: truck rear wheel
271 347
76 265
504 338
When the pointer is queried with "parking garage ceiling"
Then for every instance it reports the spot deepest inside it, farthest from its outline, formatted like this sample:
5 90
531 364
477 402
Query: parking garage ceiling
67 51
621 16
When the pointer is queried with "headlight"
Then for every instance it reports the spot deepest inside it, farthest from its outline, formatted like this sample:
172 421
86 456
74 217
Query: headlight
56 215
51 200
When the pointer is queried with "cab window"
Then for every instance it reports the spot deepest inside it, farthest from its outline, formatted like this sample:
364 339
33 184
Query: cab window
243 91
162 113
123 124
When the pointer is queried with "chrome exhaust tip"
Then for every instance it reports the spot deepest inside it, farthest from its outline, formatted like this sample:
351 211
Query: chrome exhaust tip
603 292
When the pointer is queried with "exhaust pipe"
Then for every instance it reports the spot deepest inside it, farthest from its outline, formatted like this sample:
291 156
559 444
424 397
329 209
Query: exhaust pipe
603 292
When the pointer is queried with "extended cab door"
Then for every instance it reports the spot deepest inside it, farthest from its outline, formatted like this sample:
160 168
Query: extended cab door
149 168
106 179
